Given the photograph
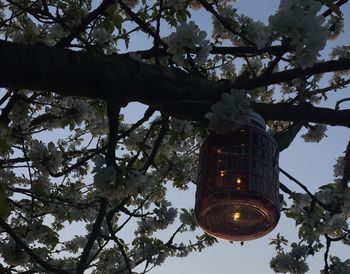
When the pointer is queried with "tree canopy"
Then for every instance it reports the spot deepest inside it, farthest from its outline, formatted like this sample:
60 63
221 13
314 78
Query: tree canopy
68 157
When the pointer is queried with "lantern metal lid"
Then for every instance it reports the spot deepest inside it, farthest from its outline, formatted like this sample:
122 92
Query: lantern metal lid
237 196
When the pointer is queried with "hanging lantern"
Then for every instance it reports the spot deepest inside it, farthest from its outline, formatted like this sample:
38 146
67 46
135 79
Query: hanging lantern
237 196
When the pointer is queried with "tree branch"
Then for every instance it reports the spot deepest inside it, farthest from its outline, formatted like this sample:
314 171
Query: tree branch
224 50
171 90
30 252
92 237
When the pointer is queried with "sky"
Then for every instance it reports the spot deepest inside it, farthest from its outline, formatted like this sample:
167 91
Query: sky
310 163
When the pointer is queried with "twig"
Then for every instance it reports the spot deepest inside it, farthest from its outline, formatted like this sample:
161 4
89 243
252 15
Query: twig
148 113
329 11
93 236
157 143
142 24
227 26
314 199
337 105
328 245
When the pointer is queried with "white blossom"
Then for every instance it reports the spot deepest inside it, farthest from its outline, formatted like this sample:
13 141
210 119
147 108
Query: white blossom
166 215
81 110
136 183
102 36
230 113
55 33
45 158
337 266
298 21
181 126
187 37
19 114
340 52
254 31
99 161
292 262
104 181
315 133
301 201
326 196
228 14
338 167
12 254
182 251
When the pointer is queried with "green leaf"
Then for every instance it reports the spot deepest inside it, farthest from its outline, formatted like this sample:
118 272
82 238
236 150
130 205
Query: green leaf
333 7
181 16
117 21
4 206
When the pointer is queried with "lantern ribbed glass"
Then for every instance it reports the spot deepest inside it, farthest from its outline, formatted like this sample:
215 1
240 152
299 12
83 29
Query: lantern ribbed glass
237 196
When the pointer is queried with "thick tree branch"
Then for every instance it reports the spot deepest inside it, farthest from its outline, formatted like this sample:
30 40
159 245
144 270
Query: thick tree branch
174 91
224 50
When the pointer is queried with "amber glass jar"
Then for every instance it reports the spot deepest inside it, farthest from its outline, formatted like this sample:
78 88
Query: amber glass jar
237 196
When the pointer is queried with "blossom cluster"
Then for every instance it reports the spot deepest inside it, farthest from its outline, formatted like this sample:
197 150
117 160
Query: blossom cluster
188 37
315 133
181 126
315 220
299 22
45 158
230 113
337 266
293 261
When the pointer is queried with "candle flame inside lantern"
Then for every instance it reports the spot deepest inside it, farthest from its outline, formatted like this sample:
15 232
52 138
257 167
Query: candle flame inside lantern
236 216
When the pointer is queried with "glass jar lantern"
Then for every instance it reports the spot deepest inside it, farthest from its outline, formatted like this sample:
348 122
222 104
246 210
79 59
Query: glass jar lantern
237 196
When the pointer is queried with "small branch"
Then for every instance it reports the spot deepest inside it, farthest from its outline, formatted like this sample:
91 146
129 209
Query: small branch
337 105
79 163
157 143
148 113
144 26
325 257
227 26
7 109
113 111
314 199
329 11
171 239
93 236
125 256
285 189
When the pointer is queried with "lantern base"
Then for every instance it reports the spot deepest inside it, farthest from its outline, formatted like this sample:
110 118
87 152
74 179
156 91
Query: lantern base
238 217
